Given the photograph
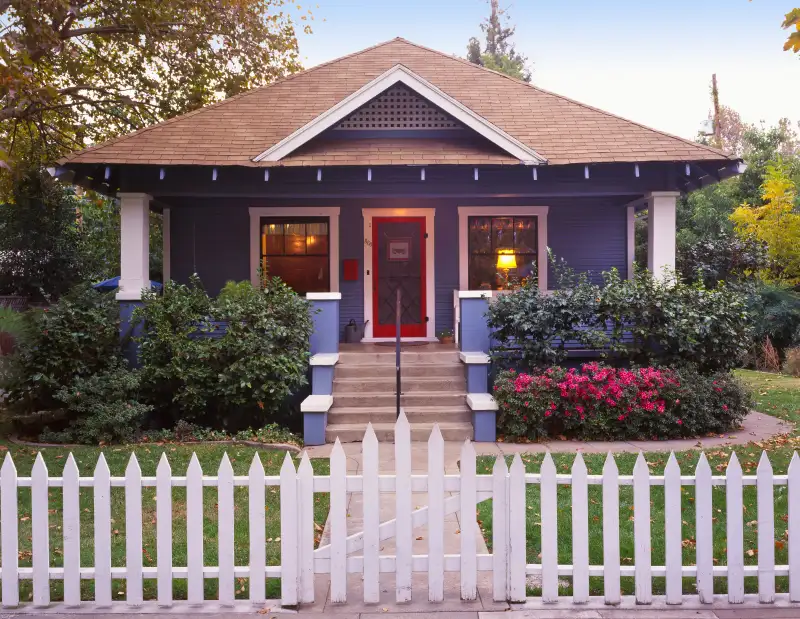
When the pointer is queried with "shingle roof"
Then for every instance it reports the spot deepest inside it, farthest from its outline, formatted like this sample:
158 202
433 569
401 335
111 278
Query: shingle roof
238 129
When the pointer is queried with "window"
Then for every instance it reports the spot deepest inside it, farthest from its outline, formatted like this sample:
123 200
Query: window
501 250
297 250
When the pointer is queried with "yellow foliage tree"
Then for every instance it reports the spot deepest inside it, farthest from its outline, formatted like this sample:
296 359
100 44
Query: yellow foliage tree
776 223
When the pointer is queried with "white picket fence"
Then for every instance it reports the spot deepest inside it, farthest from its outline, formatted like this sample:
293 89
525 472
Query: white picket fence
359 553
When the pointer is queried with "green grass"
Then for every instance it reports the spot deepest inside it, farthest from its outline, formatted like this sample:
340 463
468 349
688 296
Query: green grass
148 456
775 395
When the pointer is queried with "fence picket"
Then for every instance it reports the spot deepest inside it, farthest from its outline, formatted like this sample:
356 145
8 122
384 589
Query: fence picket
500 591
403 529
225 553
436 516
338 524
372 517
611 571
468 523
9 532
164 531
704 531
289 562
735 542
133 533
580 531
766 531
672 530
794 528
72 533
549 530
40 533
257 521
194 532
641 532
102 533
517 551
305 500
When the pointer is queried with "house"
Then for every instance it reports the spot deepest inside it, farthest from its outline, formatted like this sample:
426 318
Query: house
395 168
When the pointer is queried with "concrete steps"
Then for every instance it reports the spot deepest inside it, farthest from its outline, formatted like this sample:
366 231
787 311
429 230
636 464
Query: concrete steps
433 391
354 432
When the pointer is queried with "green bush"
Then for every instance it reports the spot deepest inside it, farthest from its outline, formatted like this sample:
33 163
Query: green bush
223 362
645 320
102 408
599 402
77 336
776 315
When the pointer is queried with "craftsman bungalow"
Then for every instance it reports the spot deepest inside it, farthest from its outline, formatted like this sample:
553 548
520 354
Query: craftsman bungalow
395 167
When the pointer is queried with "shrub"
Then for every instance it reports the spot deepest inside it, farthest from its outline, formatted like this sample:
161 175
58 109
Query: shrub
102 408
14 327
227 361
775 312
601 402
645 320
77 336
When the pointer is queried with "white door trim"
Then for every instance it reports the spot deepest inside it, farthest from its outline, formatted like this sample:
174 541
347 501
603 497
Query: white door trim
465 212
430 271
332 212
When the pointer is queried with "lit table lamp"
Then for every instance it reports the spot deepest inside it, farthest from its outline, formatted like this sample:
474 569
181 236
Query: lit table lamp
506 261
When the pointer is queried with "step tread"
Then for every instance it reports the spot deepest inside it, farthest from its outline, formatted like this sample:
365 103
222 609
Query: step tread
407 409
448 425
393 379
414 393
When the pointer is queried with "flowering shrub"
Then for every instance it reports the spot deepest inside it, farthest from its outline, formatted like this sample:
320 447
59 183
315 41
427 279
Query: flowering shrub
601 402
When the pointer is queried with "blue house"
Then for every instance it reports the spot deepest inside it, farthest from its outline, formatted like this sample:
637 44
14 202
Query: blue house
395 168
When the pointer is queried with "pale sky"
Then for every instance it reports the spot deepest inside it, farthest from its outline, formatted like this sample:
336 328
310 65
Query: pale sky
647 60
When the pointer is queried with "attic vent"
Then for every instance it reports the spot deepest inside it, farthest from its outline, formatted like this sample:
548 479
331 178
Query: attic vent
398 108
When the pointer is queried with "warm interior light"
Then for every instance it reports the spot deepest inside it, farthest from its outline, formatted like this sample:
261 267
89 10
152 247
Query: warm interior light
506 261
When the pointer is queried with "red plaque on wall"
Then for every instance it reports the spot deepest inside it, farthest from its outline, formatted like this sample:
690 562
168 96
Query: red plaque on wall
350 270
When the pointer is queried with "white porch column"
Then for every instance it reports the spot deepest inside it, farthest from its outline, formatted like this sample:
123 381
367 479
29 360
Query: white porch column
135 245
661 231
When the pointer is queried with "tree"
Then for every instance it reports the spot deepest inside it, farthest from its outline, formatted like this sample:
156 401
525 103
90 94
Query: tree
81 71
776 223
792 21
40 244
500 53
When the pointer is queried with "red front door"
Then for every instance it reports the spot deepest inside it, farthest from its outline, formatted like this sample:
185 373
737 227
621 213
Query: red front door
398 261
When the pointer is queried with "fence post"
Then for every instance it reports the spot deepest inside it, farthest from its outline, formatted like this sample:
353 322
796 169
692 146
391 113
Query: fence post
673 550
734 542
403 529
164 531
289 550
549 530
40 534
225 553
9 550
794 529
371 498
469 523
305 500
704 531
641 531
611 565
72 533
257 519
500 590
580 531
133 533
517 549
436 516
766 531
194 532
102 533
338 522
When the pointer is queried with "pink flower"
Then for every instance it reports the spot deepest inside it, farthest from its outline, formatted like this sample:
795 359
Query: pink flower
680 422
724 407
621 418
547 413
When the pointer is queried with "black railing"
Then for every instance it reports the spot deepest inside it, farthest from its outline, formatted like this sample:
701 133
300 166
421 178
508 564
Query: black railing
397 346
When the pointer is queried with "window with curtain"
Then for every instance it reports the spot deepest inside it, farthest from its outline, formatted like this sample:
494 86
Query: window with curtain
297 251
502 250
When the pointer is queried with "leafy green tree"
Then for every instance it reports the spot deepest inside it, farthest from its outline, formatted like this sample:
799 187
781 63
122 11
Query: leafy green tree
499 53
81 71
40 243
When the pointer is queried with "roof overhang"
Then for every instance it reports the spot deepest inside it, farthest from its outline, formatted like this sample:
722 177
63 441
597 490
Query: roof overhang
422 87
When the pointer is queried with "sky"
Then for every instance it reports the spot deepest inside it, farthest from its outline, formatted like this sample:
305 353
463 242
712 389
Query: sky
647 60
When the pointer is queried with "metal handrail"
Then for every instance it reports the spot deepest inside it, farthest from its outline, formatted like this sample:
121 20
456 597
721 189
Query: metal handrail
397 347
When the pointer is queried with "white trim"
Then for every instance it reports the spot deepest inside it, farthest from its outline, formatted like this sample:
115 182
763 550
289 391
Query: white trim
332 212
474 358
430 271
481 402
661 214
464 212
134 222
323 296
631 227
474 294
316 404
166 260
422 87
324 358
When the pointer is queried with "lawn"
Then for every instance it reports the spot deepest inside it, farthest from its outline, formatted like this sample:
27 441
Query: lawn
148 456
775 395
